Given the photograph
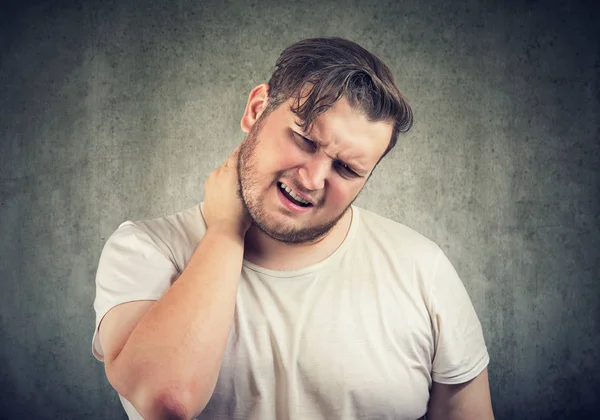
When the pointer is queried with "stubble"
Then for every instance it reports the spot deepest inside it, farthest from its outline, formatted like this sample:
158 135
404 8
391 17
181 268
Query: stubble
249 191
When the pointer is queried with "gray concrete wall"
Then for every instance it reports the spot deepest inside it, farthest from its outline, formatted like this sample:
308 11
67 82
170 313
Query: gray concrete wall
119 110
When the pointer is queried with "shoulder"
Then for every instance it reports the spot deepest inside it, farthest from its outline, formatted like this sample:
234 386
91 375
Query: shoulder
176 235
395 237
186 225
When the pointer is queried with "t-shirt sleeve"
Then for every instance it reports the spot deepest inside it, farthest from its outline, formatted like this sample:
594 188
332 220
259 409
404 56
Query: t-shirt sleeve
132 267
460 350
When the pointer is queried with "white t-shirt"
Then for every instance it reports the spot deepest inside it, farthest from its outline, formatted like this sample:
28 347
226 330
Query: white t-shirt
359 335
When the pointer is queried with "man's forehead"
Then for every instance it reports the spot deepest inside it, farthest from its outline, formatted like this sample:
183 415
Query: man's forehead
343 118
347 132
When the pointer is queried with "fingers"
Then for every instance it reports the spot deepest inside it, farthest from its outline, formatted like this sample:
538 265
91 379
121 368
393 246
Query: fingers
232 159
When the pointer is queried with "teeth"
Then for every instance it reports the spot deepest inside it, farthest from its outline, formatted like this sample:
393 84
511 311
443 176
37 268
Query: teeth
293 194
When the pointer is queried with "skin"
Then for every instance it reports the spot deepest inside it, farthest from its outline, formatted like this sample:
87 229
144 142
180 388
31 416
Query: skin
152 358
328 166
164 356
468 401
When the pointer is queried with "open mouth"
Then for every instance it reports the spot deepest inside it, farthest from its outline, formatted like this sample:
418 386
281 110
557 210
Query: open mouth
291 196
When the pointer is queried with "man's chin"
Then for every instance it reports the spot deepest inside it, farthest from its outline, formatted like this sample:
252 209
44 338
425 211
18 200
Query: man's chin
301 237
294 236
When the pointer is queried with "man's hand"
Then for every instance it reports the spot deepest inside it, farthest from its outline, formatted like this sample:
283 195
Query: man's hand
164 356
223 207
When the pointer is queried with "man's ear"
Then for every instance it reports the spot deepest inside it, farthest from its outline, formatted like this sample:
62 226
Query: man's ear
257 102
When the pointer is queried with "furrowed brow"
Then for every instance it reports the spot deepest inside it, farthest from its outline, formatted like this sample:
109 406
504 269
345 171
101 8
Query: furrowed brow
353 164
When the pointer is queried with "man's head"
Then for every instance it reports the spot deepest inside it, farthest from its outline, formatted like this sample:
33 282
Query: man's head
329 113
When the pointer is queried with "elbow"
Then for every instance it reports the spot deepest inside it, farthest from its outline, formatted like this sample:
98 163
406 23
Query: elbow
169 405
154 400
166 406
163 404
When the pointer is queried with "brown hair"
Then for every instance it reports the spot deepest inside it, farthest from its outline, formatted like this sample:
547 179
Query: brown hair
322 70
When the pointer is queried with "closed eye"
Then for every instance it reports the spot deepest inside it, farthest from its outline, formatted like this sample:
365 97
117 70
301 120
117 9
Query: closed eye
345 170
306 143
310 143
342 168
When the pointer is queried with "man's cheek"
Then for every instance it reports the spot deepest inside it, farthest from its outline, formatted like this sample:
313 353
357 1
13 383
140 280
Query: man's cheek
334 196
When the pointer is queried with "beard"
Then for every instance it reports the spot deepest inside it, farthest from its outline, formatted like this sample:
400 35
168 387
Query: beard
249 191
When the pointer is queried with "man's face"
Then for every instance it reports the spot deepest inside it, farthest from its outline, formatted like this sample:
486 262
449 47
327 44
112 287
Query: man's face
297 185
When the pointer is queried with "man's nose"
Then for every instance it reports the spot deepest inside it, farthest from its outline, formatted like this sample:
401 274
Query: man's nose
314 173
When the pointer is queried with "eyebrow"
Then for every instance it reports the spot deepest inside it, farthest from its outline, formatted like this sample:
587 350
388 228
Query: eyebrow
353 165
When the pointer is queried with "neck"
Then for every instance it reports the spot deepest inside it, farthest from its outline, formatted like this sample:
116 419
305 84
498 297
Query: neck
263 250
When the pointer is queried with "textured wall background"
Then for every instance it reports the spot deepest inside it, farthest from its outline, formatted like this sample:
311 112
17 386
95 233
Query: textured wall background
120 110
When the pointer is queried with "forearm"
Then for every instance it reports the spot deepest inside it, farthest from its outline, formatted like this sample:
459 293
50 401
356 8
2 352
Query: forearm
175 351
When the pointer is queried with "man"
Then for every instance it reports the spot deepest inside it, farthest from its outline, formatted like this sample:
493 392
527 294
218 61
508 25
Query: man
278 299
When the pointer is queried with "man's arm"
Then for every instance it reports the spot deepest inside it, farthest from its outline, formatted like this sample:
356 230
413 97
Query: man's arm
468 401
164 357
